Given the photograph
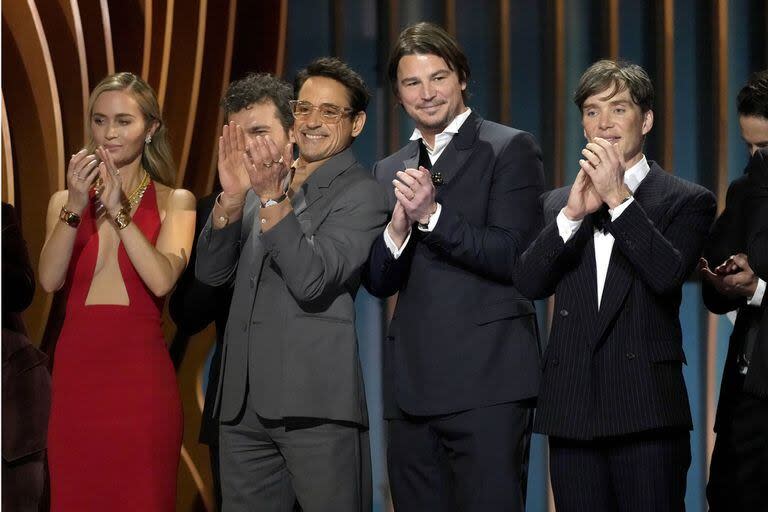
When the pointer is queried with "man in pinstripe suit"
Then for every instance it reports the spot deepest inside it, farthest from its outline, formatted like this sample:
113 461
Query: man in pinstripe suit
617 247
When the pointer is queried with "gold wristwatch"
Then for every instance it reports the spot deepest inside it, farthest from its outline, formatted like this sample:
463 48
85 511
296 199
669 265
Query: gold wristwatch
122 218
69 218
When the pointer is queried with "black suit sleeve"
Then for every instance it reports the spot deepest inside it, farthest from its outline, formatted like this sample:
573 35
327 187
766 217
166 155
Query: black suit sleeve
513 218
664 260
725 239
18 277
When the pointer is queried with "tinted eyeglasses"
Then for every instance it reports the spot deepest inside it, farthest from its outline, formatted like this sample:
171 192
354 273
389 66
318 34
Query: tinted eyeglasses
329 112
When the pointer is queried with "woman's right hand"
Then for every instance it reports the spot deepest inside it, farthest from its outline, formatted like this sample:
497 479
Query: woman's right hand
232 172
81 174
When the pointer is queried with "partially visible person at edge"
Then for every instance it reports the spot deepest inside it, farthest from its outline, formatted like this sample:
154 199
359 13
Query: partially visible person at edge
117 241
259 104
738 475
26 381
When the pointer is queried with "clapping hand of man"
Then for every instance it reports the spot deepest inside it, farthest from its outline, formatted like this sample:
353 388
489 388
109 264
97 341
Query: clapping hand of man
604 164
415 195
583 198
268 166
233 175
733 278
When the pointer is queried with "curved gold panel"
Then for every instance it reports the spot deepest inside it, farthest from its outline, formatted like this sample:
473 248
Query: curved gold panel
97 37
7 159
61 23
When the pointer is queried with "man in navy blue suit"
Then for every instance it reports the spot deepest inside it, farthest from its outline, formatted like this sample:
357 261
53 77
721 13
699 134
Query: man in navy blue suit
616 249
461 359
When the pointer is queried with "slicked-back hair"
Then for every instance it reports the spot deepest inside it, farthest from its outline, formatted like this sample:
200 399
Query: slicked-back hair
753 97
429 39
336 69
620 75
259 88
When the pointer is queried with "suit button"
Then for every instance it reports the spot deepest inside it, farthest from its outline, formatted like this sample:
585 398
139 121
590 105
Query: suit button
563 312
630 355
555 362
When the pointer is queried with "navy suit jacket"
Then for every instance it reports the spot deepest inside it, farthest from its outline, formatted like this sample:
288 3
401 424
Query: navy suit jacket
618 370
462 335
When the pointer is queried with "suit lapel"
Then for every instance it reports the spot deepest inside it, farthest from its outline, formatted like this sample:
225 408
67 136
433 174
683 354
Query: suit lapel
620 272
412 162
316 186
458 150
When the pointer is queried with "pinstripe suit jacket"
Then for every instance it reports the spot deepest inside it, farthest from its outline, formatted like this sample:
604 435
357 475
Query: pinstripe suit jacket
618 370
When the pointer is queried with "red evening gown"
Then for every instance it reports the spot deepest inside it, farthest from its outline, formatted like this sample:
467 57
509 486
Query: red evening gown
114 436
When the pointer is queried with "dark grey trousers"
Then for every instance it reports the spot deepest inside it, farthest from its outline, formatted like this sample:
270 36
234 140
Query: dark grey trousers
276 465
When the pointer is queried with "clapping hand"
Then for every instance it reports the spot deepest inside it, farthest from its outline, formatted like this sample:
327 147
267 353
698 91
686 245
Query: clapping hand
81 174
267 166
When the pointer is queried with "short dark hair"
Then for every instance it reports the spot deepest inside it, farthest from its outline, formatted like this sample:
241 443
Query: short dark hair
259 88
622 76
753 97
429 39
336 69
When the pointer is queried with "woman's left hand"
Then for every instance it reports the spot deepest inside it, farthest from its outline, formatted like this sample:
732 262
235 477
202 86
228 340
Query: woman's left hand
111 193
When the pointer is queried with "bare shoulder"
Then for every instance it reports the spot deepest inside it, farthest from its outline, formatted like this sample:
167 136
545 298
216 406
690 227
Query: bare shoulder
57 200
169 199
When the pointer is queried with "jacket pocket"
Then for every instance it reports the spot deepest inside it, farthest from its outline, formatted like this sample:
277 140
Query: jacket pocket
660 351
509 308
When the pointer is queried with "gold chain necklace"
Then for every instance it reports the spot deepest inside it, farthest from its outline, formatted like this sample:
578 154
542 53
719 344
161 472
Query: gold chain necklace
135 197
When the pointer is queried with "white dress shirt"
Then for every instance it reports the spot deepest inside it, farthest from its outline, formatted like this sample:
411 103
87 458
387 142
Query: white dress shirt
442 140
604 241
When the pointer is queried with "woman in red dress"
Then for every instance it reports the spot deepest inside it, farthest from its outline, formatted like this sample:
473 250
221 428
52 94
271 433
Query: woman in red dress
117 240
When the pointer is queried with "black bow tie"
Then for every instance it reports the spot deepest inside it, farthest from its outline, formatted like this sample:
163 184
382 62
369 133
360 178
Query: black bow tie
601 219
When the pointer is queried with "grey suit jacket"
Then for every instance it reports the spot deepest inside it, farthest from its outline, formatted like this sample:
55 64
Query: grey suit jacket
290 342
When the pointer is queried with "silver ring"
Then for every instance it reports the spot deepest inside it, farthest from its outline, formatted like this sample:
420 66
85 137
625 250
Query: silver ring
267 164
117 172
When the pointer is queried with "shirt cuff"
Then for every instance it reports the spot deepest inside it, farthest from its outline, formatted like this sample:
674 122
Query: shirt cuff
615 212
392 246
432 219
566 227
757 299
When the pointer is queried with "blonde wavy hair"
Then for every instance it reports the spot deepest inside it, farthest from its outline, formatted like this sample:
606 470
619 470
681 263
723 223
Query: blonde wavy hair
156 157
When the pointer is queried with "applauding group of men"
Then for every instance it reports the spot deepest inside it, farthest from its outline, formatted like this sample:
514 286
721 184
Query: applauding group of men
455 224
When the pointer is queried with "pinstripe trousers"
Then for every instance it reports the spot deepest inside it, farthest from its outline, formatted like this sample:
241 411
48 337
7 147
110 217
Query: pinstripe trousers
641 472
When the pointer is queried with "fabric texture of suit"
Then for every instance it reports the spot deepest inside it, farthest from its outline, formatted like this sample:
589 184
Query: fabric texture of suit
290 346
739 471
462 349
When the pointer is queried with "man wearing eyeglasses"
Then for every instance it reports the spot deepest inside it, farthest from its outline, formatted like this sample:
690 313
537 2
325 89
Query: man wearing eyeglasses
292 239
461 359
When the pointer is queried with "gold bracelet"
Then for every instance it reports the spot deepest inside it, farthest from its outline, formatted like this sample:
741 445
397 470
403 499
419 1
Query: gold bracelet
122 218
69 218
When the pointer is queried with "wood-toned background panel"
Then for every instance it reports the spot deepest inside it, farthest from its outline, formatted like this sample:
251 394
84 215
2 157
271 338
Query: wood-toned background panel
184 68
61 23
33 108
219 36
97 35
8 181
127 34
